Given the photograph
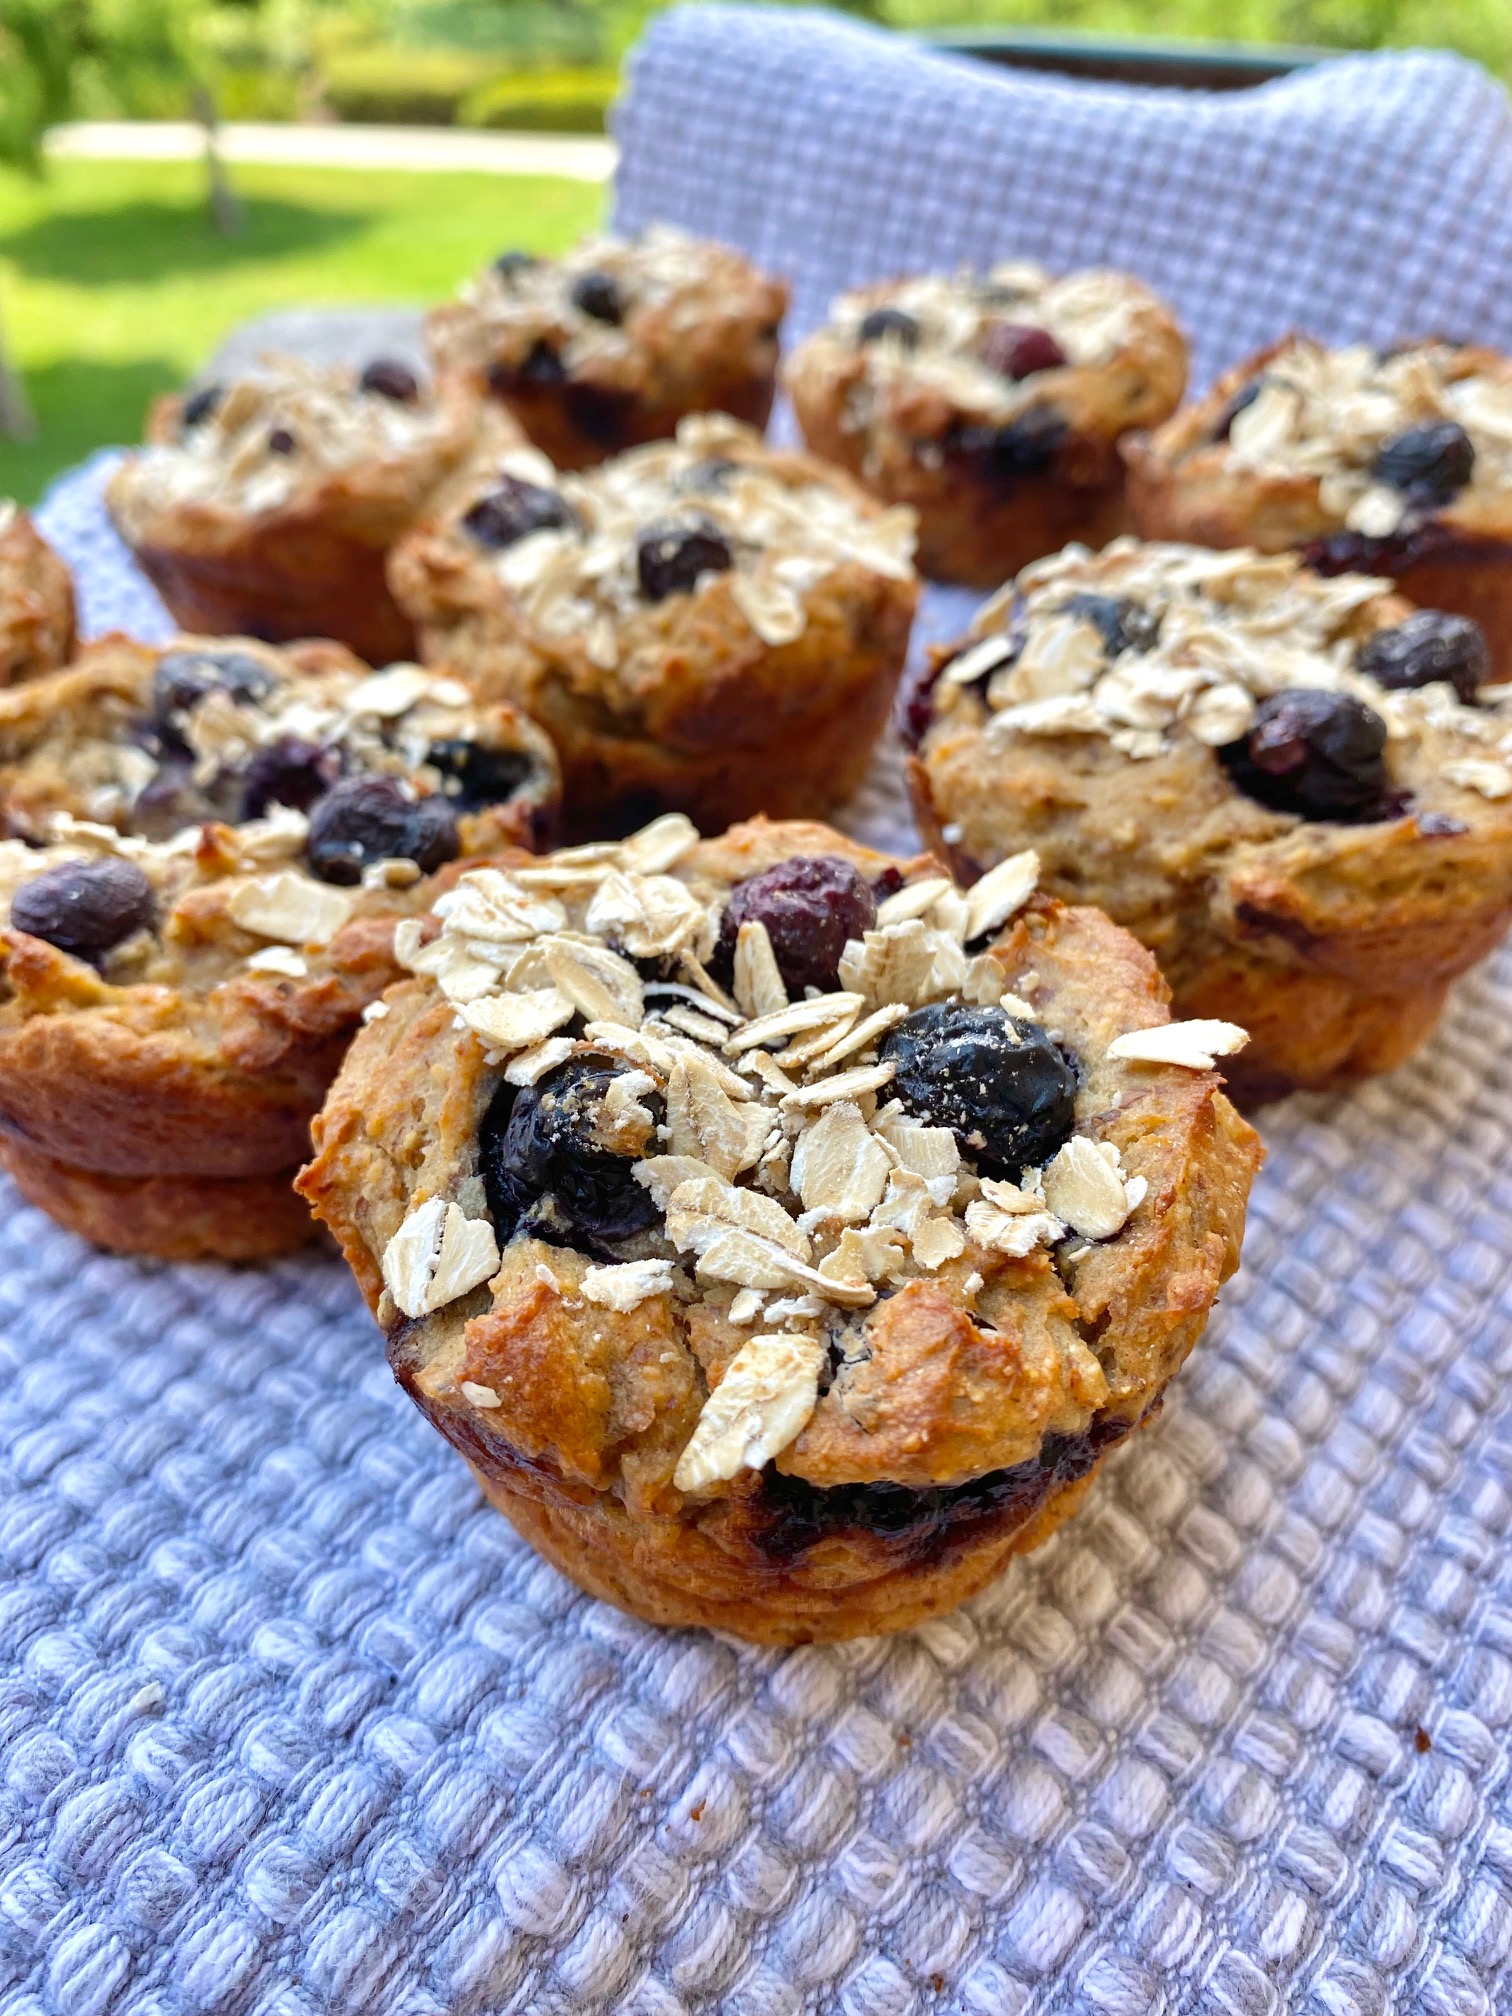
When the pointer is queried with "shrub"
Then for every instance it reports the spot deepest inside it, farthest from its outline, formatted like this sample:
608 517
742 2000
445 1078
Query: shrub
402 87
542 101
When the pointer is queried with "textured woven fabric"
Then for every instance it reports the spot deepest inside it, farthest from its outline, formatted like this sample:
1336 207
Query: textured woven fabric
291 1723
1365 200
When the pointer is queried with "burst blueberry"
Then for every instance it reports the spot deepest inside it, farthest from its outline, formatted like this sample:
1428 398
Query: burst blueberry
810 904
895 323
1313 752
1428 647
672 554
546 1169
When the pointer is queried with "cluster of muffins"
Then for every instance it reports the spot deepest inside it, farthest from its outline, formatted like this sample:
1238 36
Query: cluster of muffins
783 1232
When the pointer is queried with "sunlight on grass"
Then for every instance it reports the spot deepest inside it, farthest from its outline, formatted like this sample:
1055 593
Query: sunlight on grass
113 287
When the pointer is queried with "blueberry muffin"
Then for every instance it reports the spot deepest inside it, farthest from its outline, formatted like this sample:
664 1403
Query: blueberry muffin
267 506
611 345
703 625
208 848
171 1013
1290 787
398 765
782 1236
992 404
36 601
1394 462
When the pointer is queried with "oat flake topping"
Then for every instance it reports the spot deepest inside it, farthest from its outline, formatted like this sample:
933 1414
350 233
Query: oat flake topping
1234 627
783 1166
268 432
1328 413
1090 315
784 537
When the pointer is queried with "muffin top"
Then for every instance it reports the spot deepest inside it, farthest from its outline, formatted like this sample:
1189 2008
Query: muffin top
713 516
989 347
214 905
1318 694
280 433
380 775
36 599
600 300
1378 440
850 1166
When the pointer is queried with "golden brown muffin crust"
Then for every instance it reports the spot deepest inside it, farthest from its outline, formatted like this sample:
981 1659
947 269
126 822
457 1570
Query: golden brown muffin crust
1001 468
974 1394
36 601
1333 943
271 514
678 325
1281 455
762 687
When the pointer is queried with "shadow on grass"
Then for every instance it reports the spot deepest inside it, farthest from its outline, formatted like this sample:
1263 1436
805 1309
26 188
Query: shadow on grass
152 240
80 406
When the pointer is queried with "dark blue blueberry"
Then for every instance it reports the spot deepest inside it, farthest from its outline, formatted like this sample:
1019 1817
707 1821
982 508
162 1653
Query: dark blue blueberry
513 509
1427 464
546 1171
199 406
1315 753
672 554
476 776
894 322
1122 623
1426 647
390 380
368 819
85 907
1000 1085
599 295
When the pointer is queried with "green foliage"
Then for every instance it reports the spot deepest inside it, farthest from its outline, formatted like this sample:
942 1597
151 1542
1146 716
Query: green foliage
543 101
37 58
112 289
385 86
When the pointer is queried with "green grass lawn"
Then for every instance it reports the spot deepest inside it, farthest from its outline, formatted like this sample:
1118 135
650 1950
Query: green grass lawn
113 287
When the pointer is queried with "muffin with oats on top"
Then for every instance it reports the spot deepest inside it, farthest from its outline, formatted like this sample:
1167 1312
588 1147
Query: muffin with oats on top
209 847
1393 462
704 625
1292 788
266 507
992 403
781 1236
615 342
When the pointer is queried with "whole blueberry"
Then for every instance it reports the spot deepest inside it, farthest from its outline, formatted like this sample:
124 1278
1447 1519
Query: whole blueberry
546 1171
1018 349
810 904
199 406
1122 623
894 322
599 295
288 771
1315 753
475 776
85 907
513 509
390 379
1426 647
281 442
366 819
671 555
1428 464
999 1084
184 678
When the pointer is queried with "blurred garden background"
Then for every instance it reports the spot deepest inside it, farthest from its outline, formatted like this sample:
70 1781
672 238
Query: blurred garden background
118 276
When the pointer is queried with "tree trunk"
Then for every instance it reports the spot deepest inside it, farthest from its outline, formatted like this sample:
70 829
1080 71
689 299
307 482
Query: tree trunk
16 420
225 208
